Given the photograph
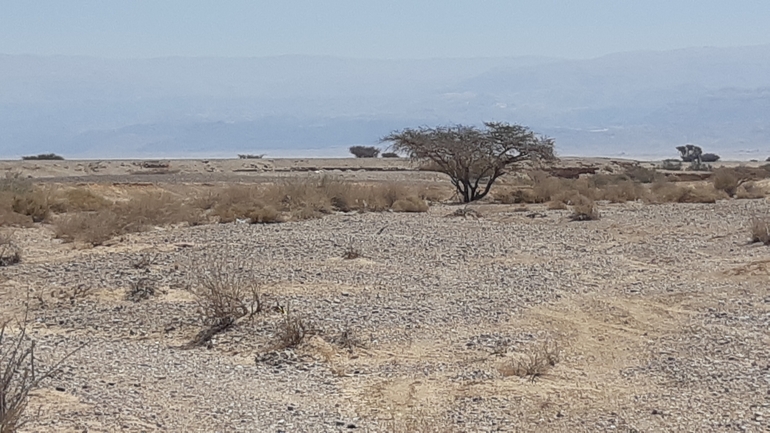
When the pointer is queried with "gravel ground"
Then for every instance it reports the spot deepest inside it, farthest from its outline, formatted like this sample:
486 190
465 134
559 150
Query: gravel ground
661 314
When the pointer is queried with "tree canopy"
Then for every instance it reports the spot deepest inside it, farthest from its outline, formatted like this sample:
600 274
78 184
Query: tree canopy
473 158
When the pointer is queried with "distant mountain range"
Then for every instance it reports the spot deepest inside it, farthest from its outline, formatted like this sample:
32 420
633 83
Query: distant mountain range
639 104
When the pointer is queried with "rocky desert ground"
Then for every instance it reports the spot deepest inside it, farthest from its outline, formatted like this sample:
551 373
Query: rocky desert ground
462 318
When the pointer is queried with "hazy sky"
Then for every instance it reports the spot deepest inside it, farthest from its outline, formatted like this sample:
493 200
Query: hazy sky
374 28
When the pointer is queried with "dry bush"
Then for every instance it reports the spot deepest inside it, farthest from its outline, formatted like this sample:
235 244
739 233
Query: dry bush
139 290
93 228
665 192
515 196
20 374
77 200
584 209
9 252
410 204
556 205
545 188
149 209
643 175
291 332
312 197
140 212
760 230
34 203
671 164
622 192
351 253
726 180
225 292
750 191
534 364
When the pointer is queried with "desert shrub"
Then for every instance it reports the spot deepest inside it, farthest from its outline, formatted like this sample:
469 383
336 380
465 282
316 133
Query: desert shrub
726 180
93 228
665 192
643 174
9 252
138 213
365 151
556 205
34 204
515 196
709 157
225 291
622 192
390 155
535 363
546 188
251 156
14 183
584 209
351 253
760 229
671 164
300 199
409 204
77 200
749 190
43 156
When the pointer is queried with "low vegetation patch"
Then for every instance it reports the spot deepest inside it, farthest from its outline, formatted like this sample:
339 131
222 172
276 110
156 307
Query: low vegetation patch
226 291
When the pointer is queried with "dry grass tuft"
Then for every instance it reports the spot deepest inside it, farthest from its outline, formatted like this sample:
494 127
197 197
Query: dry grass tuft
760 230
534 364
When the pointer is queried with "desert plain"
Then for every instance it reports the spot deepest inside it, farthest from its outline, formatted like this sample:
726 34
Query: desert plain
425 316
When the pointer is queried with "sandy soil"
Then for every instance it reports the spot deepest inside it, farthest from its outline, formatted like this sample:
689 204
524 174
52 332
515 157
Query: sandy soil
659 315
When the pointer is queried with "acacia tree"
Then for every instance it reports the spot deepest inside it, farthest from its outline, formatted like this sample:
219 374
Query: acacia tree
473 158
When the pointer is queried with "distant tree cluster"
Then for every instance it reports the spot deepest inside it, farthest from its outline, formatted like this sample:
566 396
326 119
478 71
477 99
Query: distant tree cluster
43 156
365 151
